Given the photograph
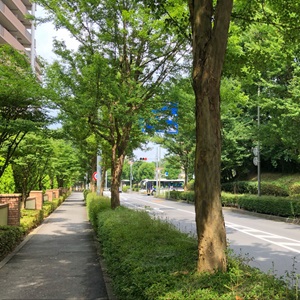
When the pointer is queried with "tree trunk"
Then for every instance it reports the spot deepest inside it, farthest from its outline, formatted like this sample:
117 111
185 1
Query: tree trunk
186 171
102 185
210 32
116 172
93 183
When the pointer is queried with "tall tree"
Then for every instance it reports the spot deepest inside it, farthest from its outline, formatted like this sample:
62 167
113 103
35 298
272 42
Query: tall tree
30 163
22 102
210 25
125 54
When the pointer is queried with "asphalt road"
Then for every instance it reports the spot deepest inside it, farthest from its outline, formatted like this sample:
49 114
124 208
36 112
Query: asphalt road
272 246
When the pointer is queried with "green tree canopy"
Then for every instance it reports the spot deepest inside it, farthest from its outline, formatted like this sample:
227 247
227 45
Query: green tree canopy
22 102
125 54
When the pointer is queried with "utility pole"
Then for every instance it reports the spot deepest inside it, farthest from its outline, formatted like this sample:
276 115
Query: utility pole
258 147
130 163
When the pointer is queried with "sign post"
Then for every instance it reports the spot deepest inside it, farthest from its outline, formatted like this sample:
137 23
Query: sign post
130 163
98 171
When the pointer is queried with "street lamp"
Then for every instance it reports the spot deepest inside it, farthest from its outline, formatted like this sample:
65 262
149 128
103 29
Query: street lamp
130 163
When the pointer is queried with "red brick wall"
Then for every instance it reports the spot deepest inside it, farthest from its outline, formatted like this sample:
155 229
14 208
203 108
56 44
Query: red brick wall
14 206
50 195
55 193
38 195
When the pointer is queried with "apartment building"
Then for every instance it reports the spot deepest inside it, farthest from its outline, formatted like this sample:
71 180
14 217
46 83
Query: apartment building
18 31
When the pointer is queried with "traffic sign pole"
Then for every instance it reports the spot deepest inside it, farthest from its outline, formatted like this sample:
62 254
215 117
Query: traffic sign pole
98 171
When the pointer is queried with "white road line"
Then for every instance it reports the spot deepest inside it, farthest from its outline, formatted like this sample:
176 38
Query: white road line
267 237
166 206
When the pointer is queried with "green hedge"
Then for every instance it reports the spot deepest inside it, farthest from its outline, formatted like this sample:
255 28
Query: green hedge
178 195
95 203
85 193
30 218
50 206
10 236
278 206
249 187
294 189
125 188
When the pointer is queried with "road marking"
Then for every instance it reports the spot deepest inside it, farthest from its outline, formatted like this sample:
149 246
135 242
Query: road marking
266 236
287 243
162 205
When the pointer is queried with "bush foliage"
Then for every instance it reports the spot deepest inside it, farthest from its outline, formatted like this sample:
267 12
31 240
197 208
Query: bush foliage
10 236
250 187
149 259
278 206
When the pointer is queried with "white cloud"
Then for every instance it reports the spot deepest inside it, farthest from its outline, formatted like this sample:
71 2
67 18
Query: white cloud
44 35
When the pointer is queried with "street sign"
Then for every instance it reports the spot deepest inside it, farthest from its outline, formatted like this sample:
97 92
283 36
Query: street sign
255 161
255 150
95 176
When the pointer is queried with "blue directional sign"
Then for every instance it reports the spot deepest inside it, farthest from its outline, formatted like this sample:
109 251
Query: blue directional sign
167 117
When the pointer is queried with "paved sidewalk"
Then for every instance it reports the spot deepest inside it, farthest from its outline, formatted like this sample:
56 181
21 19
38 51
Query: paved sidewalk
57 261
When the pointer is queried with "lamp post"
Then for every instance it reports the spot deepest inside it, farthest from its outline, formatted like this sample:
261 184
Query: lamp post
258 153
130 163
258 146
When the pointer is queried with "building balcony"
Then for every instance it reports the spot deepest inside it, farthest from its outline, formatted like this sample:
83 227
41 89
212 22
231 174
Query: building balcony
12 24
27 3
19 10
7 38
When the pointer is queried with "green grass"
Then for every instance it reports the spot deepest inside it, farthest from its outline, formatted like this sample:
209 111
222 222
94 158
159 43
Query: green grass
278 178
149 259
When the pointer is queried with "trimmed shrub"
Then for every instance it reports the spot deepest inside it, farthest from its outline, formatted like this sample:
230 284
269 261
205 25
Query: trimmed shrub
294 189
48 208
278 206
10 236
94 204
175 195
273 190
30 219
85 193
179 195
240 187
125 188
249 187
191 185
188 196
229 199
